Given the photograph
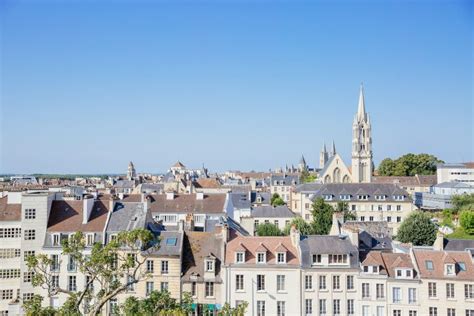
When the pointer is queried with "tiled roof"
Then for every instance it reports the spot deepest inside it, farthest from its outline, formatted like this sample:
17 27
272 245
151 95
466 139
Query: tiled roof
187 203
254 243
9 212
396 260
178 164
197 246
374 258
66 216
439 258
406 181
207 183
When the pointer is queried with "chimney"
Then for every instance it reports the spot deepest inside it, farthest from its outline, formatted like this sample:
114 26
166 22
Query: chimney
337 221
295 236
189 222
87 205
181 226
170 195
199 196
354 237
121 195
111 203
225 233
439 242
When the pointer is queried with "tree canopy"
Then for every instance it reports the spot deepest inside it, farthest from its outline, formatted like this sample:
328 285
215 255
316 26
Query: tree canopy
466 219
276 200
303 226
268 229
463 202
409 165
322 217
307 177
418 229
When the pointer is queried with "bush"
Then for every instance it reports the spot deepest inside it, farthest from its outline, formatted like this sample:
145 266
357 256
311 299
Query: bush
466 219
268 229
417 229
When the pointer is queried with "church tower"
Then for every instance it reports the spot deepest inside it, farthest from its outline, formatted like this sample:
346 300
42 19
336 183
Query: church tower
131 173
323 157
361 144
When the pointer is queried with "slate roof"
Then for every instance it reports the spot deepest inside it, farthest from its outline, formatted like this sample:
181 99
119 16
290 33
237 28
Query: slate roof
127 216
9 212
458 244
265 197
66 216
271 211
170 244
240 200
406 181
326 166
308 187
196 247
454 185
187 203
354 189
375 228
151 187
285 179
325 244
124 184
439 258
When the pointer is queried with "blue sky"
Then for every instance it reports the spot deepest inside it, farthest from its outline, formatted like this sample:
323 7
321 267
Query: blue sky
88 86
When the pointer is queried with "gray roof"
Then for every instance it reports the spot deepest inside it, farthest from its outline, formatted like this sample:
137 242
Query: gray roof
127 216
458 244
354 189
454 185
272 211
285 179
308 187
124 184
171 244
265 197
326 166
240 200
151 187
324 244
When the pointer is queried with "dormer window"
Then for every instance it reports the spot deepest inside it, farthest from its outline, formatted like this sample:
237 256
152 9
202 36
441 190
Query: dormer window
317 259
261 257
449 269
259 199
240 257
345 197
56 239
380 197
209 265
462 266
328 197
363 197
281 257
375 269
337 259
408 273
113 237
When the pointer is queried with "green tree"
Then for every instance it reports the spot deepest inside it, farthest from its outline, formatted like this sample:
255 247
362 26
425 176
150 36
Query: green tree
157 303
306 177
466 219
276 200
344 208
417 229
322 217
106 265
463 202
304 227
237 311
268 229
409 165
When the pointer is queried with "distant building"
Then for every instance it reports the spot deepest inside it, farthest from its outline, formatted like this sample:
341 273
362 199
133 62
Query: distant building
456 172
283 184
277 215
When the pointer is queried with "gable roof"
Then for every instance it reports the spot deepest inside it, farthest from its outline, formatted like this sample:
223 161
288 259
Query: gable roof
197 246
439 258
326 244
396 260
66 216
127 216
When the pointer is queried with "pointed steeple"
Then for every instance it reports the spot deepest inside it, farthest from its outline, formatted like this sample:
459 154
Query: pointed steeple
302 161
324 148
361 115
333 148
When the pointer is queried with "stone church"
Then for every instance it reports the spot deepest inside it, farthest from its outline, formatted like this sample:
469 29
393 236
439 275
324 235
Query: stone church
333 168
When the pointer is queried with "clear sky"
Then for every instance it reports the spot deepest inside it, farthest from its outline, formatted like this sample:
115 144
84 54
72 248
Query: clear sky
87 86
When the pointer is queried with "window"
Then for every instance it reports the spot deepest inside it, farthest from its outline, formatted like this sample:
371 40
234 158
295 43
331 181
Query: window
55 281
379 291
260 282
432 289
399 207
71 265
281 257
412 313
10 232
350 282
280 308
280 283
261 257
260 308
149 287
451 312
469 291
322 307
399 219
26 254
308 306
336 284
90 239
6 294
337 259
113 305
389 219
336 307
209 265
469 312
449 290
308 282
365 290
9 273
322 282
371 218
412 295
433 311
71 283
193 289
362 218
239 257
150 266
350 307
399 273
54 263
30 213
164 267
397 312
365 310
209 289
27 296
317 259
27 276
429 265
7 253
131 284
397 294
239 282
30 234
164 286
380 311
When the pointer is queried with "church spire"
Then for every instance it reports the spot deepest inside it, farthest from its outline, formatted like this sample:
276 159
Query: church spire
361 115
333 152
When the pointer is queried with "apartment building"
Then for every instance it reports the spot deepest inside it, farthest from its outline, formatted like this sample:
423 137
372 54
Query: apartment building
283 184
277 215
265 272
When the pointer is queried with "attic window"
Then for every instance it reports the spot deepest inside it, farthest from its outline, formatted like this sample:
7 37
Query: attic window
56 239
239 257
449 269
462 266
171 241
261 257
429 265
281 257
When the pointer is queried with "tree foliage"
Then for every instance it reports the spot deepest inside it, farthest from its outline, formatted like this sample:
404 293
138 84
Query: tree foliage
307 177
157 303
276 200
417 229
114 267
463 202
344 208
304 227
322 217
466 219
409 165
268 229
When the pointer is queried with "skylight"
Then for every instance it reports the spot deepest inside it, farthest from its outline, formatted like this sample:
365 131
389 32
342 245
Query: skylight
171 241
429 264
